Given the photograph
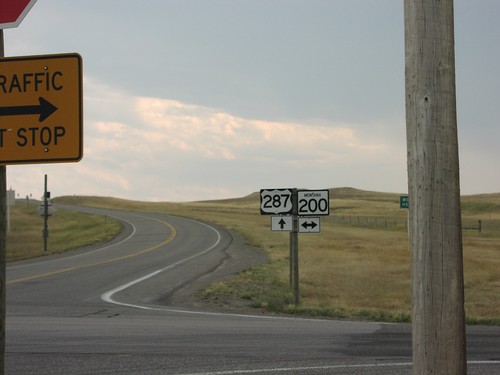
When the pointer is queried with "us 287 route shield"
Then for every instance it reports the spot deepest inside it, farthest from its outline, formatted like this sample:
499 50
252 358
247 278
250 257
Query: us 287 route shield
276 201
41 109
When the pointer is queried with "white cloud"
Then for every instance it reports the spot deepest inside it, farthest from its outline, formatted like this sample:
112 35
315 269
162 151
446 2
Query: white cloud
161 149
212 134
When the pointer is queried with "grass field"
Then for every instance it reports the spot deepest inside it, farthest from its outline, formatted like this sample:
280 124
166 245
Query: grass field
356 268
67 230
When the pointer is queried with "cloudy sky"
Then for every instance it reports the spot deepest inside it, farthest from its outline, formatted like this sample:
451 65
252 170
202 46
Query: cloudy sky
205 99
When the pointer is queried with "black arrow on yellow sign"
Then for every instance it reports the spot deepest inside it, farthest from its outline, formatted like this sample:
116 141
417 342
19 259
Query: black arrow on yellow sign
44 109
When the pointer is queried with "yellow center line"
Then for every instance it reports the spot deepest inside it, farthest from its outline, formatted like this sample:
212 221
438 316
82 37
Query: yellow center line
123 257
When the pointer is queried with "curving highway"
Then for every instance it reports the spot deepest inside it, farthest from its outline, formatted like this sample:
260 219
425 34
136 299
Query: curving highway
112 309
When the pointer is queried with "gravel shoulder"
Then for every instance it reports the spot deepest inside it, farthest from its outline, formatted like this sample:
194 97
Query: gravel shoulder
238 257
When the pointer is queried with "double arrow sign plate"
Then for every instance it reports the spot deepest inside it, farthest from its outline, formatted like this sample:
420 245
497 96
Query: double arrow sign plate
41 111
285 224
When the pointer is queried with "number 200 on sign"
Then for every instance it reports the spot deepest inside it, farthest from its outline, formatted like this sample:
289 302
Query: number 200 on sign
313 202
276 201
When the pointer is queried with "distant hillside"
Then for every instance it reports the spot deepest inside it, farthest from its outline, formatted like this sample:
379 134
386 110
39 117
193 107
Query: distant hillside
352 193
480 203
347 193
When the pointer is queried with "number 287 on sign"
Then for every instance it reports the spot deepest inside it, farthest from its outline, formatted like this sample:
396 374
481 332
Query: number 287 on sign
276 201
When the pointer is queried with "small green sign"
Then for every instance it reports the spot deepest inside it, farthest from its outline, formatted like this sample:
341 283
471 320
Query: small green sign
404 201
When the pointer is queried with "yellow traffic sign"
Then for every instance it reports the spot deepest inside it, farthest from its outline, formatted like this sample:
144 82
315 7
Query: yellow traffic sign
41 109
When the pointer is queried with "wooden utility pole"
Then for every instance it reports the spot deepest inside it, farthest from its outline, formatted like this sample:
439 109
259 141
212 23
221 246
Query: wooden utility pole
434 189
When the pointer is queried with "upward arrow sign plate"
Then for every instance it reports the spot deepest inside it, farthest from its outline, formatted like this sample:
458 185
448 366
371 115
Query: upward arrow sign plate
41 110
281 223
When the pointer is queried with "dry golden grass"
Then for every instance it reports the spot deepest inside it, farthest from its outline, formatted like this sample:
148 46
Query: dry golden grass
359 269
482 277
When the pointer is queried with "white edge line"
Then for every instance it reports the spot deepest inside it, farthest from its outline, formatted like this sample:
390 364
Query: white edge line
332 367
108 296
303 368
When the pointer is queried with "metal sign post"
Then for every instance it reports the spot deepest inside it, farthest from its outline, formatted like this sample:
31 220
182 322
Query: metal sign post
296 208
3 238
294 249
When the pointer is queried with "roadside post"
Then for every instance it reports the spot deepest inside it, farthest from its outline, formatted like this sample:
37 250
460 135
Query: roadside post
295 211
41 119
404 202
46 195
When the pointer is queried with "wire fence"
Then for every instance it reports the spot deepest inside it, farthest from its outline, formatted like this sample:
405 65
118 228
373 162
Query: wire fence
401 223
370 221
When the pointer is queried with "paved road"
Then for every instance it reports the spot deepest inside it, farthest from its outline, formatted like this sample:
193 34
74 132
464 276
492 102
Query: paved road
108 310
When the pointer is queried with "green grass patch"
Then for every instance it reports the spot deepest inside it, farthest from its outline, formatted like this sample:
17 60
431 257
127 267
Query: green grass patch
67 230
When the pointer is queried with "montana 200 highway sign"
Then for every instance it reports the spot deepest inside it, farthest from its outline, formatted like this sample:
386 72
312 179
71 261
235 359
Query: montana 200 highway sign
41 111
313 202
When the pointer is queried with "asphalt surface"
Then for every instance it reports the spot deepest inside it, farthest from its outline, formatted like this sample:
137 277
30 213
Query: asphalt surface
127 308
